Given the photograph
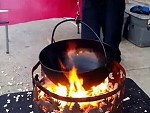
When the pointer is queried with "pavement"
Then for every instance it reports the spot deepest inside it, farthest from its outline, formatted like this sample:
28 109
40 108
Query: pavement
26 40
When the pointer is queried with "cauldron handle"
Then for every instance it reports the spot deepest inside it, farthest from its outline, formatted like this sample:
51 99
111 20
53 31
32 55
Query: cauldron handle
78 21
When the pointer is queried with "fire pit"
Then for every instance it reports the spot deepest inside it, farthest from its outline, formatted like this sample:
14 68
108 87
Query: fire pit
104 98
78 76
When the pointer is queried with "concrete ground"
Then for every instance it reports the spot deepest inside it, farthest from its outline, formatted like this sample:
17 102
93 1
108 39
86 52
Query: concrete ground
28 39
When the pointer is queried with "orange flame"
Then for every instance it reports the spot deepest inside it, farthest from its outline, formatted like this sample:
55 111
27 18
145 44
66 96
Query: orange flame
77 90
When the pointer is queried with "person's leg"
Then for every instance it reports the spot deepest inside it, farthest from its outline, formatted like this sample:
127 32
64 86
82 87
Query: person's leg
90 16
113 22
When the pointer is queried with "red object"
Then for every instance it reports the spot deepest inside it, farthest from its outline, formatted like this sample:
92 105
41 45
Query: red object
29 10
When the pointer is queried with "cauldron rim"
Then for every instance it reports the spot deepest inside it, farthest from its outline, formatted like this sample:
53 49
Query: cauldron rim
65 72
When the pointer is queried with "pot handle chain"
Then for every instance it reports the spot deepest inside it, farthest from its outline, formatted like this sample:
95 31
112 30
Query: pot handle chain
77 20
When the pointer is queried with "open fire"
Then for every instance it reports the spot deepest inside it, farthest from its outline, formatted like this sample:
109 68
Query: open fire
103 98
75 79
76 90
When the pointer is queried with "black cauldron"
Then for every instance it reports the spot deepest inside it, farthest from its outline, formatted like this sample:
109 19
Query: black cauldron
93 60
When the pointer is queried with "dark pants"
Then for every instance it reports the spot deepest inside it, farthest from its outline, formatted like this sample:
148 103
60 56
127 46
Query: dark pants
105 14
